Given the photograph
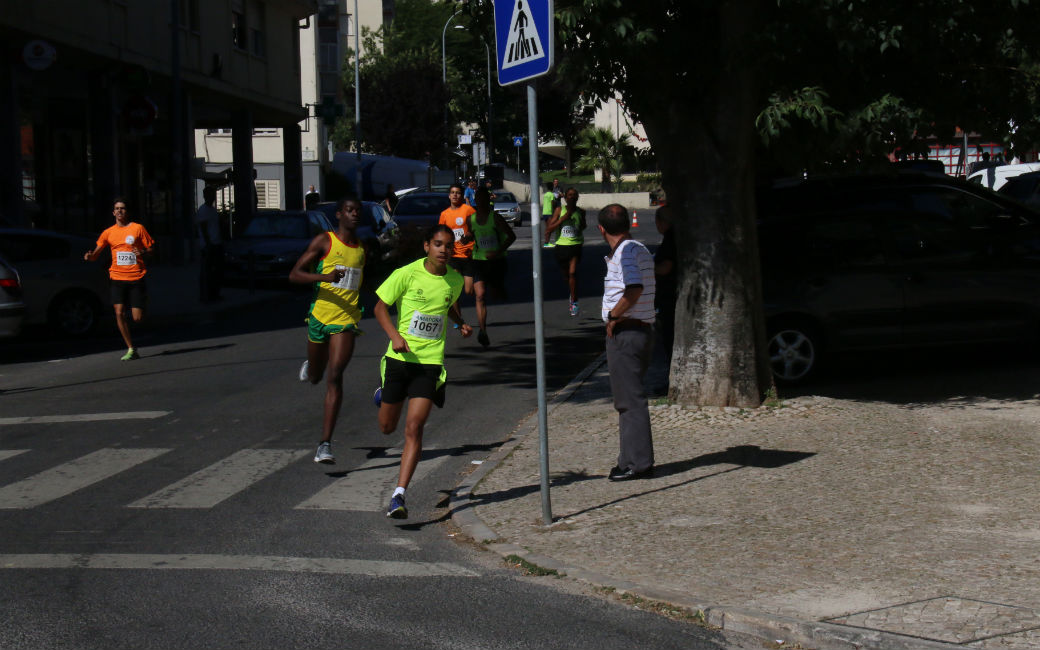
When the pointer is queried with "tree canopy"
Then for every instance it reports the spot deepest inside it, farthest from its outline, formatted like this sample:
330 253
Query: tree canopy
733 89
406 108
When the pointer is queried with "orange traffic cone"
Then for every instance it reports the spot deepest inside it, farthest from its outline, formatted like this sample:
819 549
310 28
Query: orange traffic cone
635 219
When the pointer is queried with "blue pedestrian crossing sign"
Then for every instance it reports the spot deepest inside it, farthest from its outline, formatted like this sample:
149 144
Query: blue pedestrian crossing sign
518 141
523 39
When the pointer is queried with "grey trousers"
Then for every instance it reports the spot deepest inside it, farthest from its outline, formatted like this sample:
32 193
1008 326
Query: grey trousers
628 355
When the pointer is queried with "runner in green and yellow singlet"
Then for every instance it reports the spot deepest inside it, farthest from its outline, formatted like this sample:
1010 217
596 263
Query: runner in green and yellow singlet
426 294
338 261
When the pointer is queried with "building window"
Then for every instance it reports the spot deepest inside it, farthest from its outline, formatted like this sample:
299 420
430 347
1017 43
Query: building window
238 29
388 11
268 195
190 15
218 131
265 131
258 30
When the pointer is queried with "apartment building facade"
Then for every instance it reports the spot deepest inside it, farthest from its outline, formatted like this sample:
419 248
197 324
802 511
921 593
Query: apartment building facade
325 38
100 98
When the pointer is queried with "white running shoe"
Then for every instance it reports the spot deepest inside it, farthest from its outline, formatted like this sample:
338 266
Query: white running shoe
324 454
303 371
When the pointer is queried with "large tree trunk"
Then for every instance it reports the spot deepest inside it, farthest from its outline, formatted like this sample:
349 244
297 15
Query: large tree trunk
706 154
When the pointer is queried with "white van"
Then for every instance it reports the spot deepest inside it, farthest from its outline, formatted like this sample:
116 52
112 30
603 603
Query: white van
995 177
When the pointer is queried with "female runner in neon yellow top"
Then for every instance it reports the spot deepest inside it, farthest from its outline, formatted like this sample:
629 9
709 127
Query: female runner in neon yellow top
426 294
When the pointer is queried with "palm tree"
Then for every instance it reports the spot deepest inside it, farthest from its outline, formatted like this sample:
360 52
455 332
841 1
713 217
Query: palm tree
602 151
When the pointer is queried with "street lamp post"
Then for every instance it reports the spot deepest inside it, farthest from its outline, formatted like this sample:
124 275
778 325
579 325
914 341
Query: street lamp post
490 138
444 69
444 56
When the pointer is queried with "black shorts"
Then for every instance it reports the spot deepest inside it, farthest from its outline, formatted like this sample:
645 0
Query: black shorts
130 293
463 265
564 254
492 272
402 379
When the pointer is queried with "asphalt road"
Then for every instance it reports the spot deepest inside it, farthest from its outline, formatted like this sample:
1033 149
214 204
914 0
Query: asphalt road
172 502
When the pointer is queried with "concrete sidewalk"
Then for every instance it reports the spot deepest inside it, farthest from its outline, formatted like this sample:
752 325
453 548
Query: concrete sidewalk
830 523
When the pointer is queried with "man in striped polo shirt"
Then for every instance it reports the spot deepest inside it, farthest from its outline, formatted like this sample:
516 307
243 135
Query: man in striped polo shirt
628 311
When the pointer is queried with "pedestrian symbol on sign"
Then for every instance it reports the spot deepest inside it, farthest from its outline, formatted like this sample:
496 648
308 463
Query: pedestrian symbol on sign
523 45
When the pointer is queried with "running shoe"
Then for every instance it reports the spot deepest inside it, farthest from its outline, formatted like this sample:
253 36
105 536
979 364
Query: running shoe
549 245
130 355
377 397
303 371
397 509
483 339
324 454
574 309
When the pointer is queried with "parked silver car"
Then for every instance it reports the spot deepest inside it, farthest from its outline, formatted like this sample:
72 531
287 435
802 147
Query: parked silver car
507 206
12 309
59 288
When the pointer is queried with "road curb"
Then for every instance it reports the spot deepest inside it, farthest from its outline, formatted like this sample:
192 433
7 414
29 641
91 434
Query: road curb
771 628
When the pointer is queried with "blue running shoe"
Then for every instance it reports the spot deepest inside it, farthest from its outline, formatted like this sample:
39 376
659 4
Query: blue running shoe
377 397
397 509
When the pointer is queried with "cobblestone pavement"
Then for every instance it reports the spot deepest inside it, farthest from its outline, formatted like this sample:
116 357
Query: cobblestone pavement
919 519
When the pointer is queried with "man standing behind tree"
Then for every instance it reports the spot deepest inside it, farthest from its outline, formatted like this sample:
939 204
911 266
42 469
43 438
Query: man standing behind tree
628 311
207 219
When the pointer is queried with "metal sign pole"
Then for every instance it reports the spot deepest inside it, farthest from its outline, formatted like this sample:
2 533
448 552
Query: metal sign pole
539 325
524 46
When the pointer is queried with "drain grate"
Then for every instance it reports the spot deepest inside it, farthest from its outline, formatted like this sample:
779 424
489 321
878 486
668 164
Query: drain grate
954 620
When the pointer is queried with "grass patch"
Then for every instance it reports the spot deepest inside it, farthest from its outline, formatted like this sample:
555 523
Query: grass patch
530 568
771 399
658 607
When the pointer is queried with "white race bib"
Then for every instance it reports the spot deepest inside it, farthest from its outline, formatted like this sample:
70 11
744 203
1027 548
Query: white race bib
125 258
426 326
459 233
351 279
568 232
487 242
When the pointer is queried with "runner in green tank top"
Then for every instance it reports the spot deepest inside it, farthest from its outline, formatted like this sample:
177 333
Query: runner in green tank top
492 236
569 219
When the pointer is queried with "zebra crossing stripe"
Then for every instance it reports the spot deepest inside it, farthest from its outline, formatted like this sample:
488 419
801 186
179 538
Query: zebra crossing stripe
208 487
85 417
368 488
74 475
342 566
11 453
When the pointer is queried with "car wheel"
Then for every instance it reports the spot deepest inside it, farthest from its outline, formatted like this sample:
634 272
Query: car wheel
75 313
794 351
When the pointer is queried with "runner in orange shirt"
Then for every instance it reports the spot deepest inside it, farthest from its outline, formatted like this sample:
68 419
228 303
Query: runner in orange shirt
456 217
131 245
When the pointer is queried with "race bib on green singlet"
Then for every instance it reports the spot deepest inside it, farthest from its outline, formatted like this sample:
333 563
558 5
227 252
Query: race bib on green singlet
426 326
568 232
125 258
488 242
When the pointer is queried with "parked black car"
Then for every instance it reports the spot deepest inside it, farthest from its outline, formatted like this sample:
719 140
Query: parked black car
888 262
376 230
1024 188
272 242
415 213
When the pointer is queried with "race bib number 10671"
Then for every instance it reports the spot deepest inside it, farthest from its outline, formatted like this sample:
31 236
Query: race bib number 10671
426 326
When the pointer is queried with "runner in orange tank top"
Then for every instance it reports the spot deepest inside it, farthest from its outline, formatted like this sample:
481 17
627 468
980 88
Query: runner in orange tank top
131 245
